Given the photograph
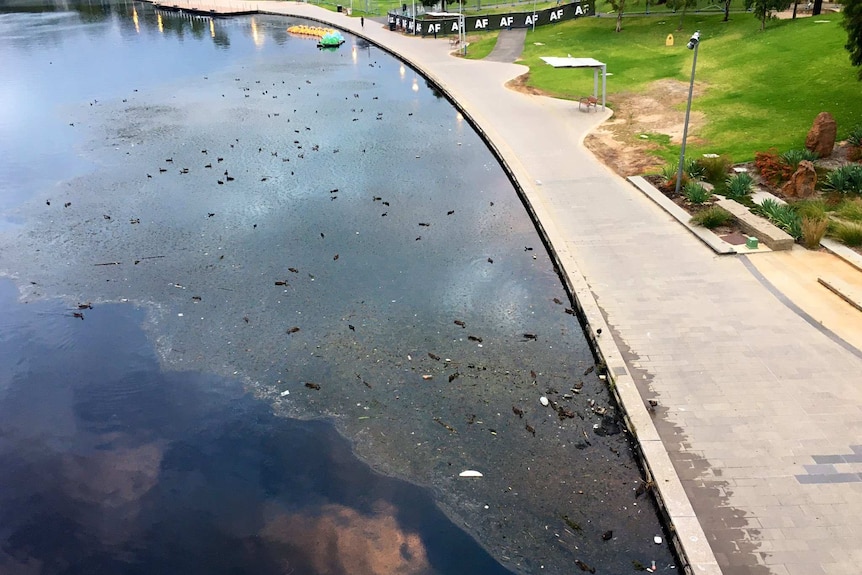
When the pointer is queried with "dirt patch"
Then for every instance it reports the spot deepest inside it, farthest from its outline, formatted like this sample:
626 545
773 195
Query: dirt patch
658 111
519 84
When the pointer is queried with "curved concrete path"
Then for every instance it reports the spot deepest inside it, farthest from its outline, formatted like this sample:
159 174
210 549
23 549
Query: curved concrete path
510 44
756 443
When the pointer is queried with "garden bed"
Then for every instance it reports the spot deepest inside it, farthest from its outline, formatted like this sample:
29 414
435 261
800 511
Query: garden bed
834 210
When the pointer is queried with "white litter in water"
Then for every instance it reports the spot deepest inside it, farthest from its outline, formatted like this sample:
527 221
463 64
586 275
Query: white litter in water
285 393
657 540
470 473
544 401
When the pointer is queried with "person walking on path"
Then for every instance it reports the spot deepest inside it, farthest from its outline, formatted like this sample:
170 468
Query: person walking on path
362 22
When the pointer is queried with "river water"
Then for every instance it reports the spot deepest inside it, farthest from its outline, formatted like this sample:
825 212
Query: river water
223 245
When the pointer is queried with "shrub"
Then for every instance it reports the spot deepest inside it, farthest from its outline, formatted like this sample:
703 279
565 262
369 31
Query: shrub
848 233
850 210
846 179
715 169
812 209
739 185
783 216
855 136
793 157
693 169
696 193
668 174
668 171
712 217
813 230
771 167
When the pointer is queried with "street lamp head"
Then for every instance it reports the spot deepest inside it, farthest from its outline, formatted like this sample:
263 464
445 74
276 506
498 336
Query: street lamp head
695 40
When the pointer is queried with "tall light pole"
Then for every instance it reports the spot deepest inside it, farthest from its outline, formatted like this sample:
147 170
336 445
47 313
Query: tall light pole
692 45
534 15
461 35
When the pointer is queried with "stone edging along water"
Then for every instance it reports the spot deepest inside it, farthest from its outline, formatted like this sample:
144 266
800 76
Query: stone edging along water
686 533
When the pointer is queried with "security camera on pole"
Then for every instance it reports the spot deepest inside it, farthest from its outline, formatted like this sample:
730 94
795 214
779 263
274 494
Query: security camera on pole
692 45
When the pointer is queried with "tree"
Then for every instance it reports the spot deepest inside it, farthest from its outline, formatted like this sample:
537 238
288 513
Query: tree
853 24
685 5
763 9
619 6
726 10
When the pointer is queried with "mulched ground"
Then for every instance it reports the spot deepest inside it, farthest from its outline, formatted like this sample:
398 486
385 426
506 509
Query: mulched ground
731 233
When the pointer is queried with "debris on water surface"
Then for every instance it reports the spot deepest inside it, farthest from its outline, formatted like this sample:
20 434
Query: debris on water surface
470 473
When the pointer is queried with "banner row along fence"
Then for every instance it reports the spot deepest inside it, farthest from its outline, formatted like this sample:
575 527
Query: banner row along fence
448 24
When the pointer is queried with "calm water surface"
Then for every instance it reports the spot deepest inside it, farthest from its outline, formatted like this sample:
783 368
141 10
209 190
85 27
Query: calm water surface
295 234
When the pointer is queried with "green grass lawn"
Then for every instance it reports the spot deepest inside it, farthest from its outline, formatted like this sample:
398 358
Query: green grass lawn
762 89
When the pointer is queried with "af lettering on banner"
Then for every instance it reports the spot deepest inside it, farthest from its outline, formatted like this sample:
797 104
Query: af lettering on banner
498 22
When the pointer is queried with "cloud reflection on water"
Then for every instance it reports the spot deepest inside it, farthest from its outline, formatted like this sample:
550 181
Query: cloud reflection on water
336 539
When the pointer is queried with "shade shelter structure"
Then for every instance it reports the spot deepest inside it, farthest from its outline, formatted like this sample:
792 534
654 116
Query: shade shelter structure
584 63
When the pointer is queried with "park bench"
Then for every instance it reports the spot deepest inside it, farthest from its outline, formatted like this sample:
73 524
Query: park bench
588 102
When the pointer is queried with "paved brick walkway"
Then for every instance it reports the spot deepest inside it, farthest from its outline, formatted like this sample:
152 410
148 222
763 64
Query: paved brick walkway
756 443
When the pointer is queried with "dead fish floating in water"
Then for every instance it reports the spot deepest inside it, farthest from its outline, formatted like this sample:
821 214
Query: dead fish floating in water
518 411
281 283
557 301
293 330
572 524
87 305
444 424
310 385
460 323
589 370
434 356
454 376
529 336
78 315
607 535
530 429
584 566
474 338
293 270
